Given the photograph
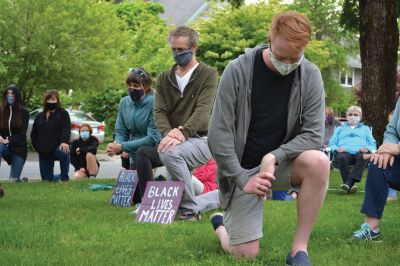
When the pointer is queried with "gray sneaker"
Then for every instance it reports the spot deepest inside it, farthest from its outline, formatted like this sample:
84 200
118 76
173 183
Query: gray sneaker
300 259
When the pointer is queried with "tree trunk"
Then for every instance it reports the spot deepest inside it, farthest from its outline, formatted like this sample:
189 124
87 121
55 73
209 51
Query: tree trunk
379 40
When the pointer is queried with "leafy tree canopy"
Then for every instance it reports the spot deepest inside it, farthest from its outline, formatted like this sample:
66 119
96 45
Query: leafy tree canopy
56 44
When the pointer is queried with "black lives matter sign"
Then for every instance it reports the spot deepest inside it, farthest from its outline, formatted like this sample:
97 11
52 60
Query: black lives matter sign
160 202
125 188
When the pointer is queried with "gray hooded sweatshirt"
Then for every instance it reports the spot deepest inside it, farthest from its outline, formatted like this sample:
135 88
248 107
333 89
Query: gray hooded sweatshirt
231 115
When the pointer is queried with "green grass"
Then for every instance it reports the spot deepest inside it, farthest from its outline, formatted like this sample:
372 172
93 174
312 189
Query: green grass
58 224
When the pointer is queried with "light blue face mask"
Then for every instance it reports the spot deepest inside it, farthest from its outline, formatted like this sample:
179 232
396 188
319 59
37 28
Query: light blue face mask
283 68
10 100
84 135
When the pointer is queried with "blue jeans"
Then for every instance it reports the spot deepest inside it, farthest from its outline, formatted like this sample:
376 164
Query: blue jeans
377 186
46 166
17 162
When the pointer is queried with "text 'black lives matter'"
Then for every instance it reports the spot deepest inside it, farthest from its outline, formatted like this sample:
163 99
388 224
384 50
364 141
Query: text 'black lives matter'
160 202
125 188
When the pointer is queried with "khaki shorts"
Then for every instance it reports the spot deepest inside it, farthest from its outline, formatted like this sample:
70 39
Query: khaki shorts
243 219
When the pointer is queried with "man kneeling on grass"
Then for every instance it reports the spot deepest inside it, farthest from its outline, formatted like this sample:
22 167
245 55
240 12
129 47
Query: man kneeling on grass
383 173
266 129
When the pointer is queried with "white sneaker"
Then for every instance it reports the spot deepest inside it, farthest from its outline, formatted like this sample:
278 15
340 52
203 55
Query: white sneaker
136 210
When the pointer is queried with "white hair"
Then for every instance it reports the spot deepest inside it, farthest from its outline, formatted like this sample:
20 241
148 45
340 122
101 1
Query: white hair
354 108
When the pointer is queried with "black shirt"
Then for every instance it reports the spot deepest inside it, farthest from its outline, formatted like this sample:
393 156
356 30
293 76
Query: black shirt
48 134
269 110
90 145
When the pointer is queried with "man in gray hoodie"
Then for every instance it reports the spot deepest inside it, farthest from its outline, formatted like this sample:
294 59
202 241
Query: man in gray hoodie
265 132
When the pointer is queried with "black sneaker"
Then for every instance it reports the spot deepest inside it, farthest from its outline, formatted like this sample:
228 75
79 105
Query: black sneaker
217 219
300 259
190 217
25 179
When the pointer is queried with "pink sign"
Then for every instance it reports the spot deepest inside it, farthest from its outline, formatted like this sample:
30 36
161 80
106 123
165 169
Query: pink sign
160 202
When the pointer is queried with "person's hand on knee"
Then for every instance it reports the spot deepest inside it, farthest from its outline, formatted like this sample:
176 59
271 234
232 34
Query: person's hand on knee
259 184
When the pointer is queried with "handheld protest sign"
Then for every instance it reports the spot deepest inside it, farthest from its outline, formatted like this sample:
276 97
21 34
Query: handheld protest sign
125 188
160 202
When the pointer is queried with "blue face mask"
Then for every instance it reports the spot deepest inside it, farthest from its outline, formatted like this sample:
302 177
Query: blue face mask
182 58
84 135
136 95
10 100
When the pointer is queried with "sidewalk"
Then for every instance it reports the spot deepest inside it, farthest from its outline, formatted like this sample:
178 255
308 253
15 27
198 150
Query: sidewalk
101 157
109 167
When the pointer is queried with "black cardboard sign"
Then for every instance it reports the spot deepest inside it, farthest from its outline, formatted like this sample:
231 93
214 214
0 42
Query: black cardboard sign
160 202
125 188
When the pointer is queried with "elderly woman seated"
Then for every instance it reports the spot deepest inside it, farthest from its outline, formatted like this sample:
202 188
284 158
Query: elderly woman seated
349 142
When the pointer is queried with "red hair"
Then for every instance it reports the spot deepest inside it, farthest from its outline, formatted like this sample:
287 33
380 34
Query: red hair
293 27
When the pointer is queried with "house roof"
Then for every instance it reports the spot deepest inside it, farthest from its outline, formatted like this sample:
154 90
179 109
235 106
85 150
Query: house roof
354 62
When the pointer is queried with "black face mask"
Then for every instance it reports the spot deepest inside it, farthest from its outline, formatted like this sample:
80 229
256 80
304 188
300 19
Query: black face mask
51 106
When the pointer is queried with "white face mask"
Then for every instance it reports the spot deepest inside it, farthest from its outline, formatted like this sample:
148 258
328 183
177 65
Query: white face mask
353 120
283 68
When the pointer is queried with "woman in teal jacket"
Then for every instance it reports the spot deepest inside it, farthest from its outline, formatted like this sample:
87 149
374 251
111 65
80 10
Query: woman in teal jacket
135 126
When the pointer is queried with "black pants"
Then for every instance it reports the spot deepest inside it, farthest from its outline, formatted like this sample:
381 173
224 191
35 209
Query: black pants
125 163
345 160
146 159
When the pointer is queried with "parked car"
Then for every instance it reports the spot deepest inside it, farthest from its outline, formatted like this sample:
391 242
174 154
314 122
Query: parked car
77 119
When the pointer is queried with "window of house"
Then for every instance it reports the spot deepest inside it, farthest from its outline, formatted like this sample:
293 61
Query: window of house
346 78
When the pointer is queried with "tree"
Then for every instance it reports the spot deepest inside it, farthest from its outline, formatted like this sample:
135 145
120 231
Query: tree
226 32
379 41
148 35
56 44
147 48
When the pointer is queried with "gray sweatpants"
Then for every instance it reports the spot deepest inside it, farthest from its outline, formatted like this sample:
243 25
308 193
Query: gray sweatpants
194 152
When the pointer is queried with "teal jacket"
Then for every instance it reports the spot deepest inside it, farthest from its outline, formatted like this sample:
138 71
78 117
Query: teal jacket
352 139
135 126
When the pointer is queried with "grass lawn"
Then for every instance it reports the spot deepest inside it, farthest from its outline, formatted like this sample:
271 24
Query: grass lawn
67 224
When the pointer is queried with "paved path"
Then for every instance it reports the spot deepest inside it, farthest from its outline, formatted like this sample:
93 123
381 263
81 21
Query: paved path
109 167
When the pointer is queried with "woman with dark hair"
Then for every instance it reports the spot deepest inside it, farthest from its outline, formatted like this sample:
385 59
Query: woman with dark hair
14 119
83 153
135 125
50 136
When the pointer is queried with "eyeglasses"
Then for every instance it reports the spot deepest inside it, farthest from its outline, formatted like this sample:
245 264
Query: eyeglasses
137 71
350 114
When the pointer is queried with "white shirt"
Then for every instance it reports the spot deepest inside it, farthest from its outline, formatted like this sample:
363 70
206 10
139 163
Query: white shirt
183 81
